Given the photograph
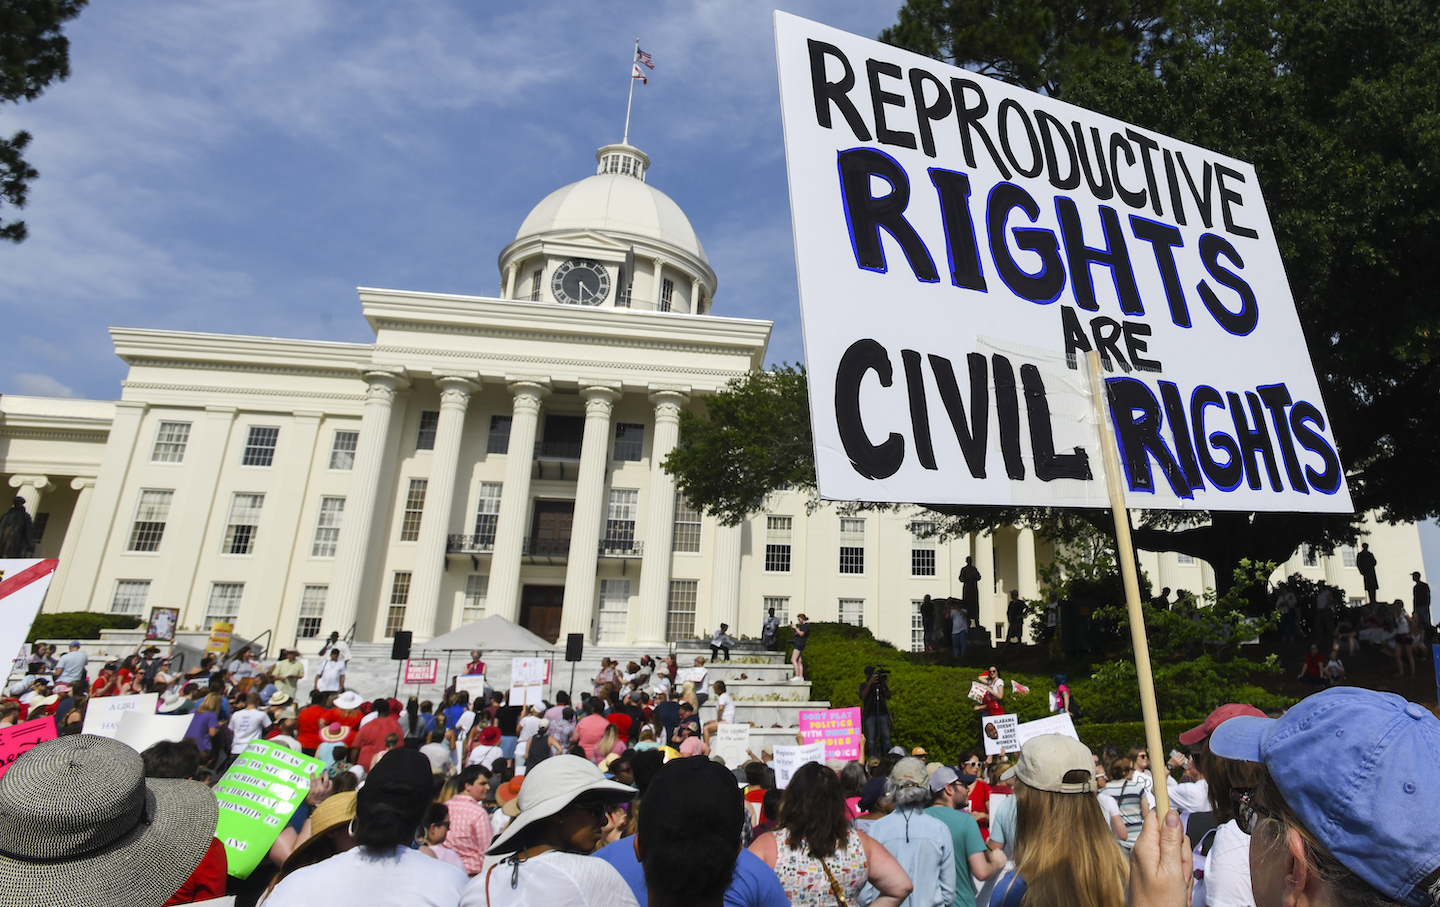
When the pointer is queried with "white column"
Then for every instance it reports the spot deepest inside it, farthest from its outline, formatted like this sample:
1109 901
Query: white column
504 591
352 549
30 488
1207 577
109 485
659 518
1334 572
1167 567
510 273
71 544
985 563
659 283
695 299
581 566
194 504
725 578
455 388
1025 564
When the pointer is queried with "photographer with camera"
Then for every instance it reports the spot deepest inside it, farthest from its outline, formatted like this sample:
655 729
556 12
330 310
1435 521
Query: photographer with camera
875 710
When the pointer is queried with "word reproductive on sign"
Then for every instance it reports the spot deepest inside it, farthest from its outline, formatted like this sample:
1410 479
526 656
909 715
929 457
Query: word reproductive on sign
979 240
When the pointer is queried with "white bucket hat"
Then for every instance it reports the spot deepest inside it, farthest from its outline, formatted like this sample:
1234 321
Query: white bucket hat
553 785
349 700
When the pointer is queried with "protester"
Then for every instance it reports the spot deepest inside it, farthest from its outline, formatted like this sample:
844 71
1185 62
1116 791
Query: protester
371 737
70 667
688 835
470 830
1357 834
813 843
920 843
545 849
325 833
81 824
1064 851
331 676
800 636
974 862
381 869
433 830
248 724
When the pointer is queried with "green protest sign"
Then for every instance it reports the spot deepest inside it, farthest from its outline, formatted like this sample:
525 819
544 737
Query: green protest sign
258 795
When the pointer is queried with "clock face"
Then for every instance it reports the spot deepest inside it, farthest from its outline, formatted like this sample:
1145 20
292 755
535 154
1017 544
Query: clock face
580 282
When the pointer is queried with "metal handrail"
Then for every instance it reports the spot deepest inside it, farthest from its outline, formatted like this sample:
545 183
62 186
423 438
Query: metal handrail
470 544
557 450
547 547
255 643
621 548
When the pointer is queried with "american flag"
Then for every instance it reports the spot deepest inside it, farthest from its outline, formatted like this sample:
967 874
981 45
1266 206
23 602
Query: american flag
643 57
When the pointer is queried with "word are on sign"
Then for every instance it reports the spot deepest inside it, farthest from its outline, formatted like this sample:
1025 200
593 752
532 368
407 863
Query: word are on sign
962 244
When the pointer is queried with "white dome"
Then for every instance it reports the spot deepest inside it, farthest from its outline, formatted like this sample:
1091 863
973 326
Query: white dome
613 202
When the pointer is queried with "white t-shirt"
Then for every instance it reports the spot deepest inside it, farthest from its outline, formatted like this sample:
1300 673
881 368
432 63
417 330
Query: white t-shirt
439 756
548 879
330 674
1227 869
529 727
484 755
464 723
726 705
246 726
407 878
1189 796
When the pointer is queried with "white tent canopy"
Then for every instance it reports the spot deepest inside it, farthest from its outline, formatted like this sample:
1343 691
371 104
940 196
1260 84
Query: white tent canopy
493 632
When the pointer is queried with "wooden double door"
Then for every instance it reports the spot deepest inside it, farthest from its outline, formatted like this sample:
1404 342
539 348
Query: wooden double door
540 608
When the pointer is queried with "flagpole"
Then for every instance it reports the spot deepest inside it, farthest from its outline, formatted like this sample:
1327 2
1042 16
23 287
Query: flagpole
633 57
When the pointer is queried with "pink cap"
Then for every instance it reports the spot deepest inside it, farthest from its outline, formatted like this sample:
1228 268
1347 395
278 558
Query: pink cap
1218 717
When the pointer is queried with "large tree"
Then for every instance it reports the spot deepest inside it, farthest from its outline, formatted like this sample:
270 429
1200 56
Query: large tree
1336 104
33 53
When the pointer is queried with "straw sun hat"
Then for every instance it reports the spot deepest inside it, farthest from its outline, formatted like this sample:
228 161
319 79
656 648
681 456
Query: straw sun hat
553 785
81 824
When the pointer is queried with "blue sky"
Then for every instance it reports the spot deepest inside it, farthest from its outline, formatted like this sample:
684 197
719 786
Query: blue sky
242 167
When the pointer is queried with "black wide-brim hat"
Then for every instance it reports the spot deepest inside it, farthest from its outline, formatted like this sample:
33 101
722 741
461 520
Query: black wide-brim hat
81 824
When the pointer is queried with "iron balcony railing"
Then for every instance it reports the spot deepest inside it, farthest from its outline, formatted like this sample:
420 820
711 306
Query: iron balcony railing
470 544
557 450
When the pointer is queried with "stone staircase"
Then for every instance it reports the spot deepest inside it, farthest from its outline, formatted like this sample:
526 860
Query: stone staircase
759 680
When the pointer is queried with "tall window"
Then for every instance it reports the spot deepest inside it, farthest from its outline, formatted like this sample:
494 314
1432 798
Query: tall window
922 549
487 513
852 546
224 604
1347 555
667 294
852 611
260 446
680 617
312 610
498 441
170 441
629 441
150 516
130 596
781 604
399 598
777 544
620 519
1309 556
342 450
477 585
917 628
614 611
429 423
327 527
244 521
535 277
687 525
414 507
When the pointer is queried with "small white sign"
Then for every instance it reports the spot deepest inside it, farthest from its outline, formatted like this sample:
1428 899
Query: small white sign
1055 724
102 716
528 677
999 733
140 729
788 760
731 742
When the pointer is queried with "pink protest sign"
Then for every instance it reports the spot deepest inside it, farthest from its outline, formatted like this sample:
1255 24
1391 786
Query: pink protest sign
839 728
422 670
17 739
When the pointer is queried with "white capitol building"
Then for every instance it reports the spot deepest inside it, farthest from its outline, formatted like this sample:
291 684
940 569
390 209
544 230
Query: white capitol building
486 456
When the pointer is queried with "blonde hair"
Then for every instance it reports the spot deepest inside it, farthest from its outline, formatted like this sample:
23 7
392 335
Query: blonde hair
211 703
449 789
606 746
1089 871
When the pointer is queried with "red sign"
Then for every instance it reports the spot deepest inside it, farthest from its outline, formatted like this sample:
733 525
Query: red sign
16 740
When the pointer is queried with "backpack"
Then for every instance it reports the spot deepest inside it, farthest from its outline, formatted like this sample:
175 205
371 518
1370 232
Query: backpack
1132 810
1202 854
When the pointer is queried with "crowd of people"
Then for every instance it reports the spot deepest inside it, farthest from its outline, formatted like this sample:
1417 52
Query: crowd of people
599 801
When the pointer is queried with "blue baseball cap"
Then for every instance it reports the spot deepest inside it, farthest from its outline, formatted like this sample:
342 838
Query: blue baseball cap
1362 771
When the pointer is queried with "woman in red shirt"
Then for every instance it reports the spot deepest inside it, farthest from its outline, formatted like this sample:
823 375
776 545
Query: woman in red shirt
972 763
346 712
308 722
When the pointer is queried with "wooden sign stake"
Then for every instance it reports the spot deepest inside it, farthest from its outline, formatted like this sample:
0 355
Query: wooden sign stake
1125 553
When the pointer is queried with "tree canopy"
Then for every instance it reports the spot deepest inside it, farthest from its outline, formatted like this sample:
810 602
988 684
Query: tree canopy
33 53
1336 105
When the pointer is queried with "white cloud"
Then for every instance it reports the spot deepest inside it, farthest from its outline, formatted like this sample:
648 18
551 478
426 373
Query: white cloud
40 386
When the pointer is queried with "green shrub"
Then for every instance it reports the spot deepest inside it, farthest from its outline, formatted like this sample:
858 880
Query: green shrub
931 708
78 625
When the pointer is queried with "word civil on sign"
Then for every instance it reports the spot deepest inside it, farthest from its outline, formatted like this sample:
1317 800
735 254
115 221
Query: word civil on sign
963 244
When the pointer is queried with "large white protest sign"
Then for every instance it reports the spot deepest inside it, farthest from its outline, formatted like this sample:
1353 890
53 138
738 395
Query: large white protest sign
23 583
1055 724
962 244
102 716
731 742
788 760
528 677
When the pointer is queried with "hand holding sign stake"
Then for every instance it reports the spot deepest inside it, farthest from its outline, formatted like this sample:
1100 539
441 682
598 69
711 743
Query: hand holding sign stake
1125 554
